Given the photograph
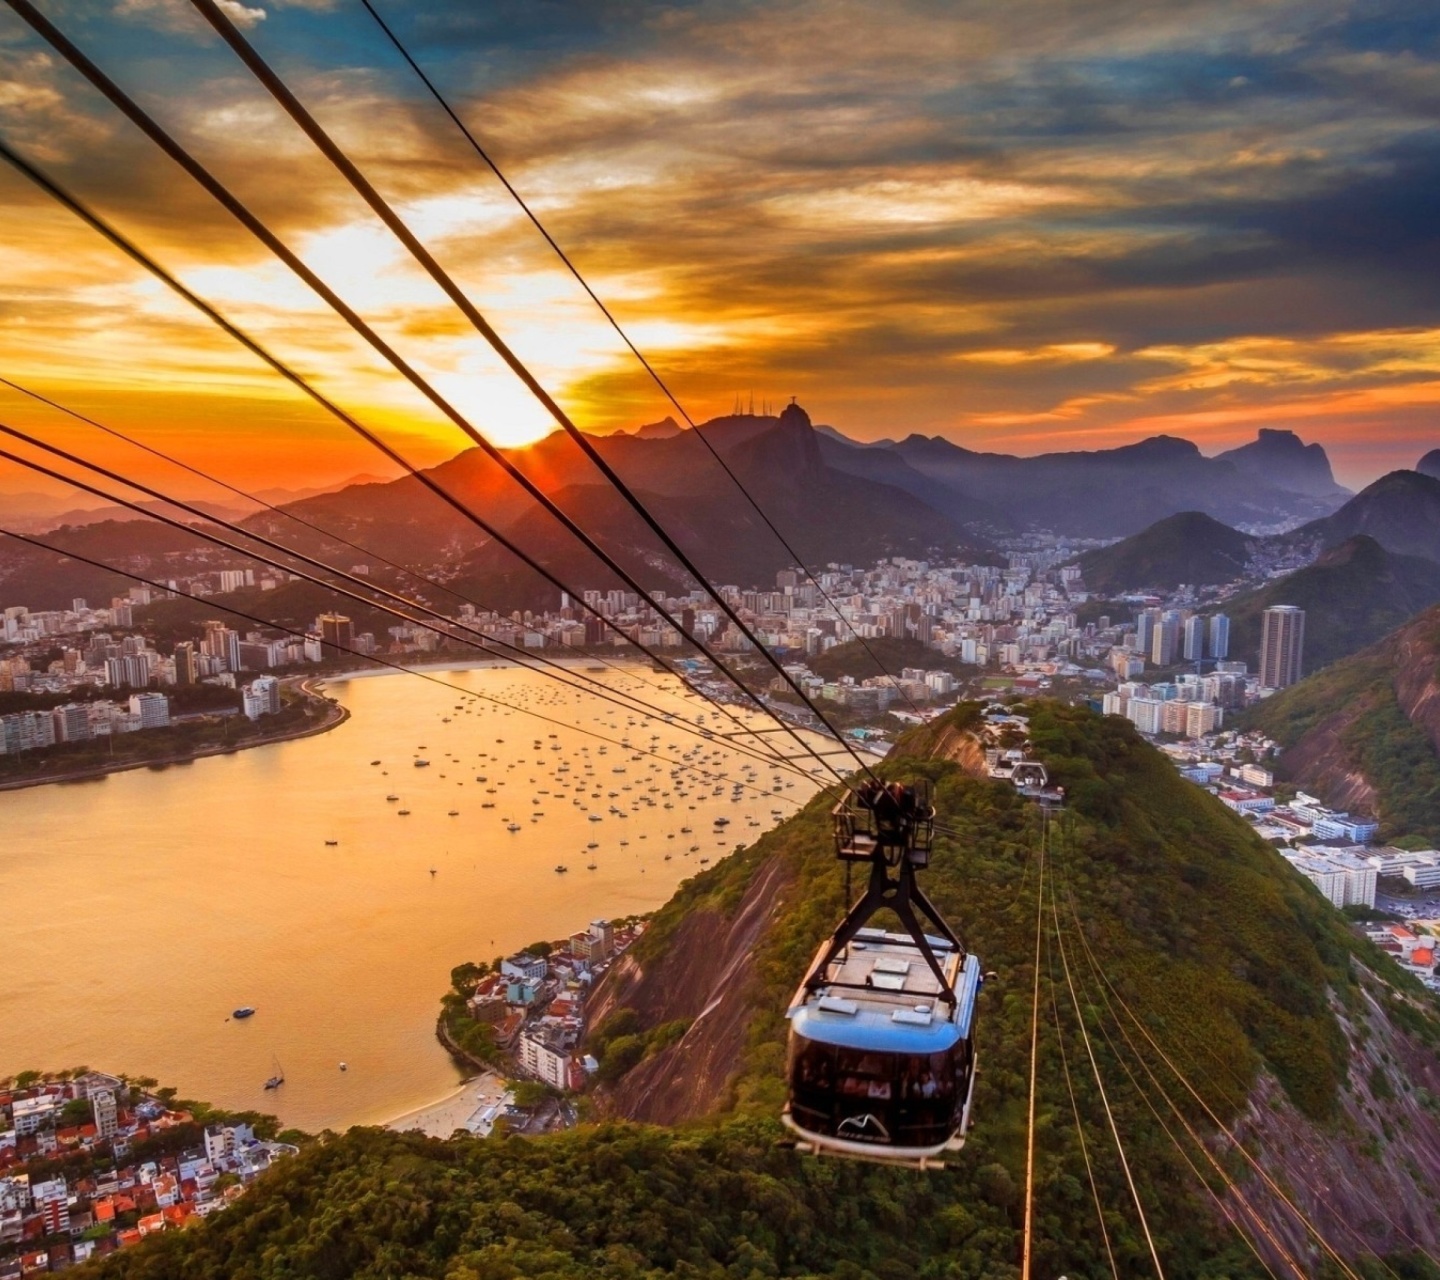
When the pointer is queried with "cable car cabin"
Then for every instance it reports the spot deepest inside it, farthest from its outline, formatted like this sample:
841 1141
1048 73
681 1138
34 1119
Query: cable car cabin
882 1059
881 1066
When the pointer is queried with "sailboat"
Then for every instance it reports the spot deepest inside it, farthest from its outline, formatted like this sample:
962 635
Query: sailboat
278 1078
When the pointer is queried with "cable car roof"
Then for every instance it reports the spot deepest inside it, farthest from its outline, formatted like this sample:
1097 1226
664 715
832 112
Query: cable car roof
880 995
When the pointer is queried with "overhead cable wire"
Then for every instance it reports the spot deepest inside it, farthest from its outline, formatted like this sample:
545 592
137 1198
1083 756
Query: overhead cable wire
126 246
1230 1184
1027 1237
524 656
625 338
1265 1177
165 588
1079 1126
282 94
1310 1149
347 593
1110 1115
152 129
210 478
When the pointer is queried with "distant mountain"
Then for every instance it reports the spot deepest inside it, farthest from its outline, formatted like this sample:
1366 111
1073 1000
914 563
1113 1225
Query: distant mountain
40 580
826 513
1279 459
1429 465
657 430
1352 595
278 497
1401 511
1110 492
1189 547
1364 733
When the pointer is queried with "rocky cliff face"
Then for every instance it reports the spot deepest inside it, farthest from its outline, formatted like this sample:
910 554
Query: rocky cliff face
1368 1179
704 975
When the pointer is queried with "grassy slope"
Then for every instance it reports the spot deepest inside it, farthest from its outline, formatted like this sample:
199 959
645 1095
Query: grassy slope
1226 953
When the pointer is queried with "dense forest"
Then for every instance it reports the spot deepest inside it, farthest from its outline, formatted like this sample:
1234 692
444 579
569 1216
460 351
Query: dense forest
1231 962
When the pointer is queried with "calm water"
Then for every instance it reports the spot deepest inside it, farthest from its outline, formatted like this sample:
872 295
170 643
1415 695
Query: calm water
140 909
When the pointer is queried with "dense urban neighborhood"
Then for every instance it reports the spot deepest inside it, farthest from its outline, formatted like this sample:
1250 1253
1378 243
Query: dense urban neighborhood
91 1163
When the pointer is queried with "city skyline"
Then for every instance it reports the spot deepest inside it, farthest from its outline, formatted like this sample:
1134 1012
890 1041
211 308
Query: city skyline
1111 230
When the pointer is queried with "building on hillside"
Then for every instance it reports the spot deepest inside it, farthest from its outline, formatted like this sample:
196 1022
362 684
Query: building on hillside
1219 641
1282 646
1246 801
1255 775
1344 879
545 1054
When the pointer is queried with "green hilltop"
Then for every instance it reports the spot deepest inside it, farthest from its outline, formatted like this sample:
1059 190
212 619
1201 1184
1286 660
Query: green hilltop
1233 962
1189 547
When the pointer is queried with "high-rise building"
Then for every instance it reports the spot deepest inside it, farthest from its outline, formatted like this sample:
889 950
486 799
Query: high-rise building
1194 638
103 1105
1219 636
337 634
129 672
1282 646
261 697
187 669
222 642
72 722
1145 623
1164 639
152 708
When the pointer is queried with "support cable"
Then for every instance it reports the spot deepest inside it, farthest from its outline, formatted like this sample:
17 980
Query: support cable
137 255
1109 1114
152 129
523 656
282 94
284 568
394 666
1079 1126
625 338
1215 1119
1229 1183
1026 1239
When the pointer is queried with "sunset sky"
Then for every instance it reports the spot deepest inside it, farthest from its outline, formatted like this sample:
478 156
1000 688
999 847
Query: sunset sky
1028 226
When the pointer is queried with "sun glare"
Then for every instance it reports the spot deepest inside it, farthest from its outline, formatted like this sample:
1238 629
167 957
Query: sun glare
497 405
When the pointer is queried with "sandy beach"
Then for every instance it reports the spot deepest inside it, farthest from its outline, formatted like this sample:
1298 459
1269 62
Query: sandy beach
473 1106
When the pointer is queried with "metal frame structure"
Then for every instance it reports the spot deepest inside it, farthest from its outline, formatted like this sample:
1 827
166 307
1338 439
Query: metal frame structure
892 833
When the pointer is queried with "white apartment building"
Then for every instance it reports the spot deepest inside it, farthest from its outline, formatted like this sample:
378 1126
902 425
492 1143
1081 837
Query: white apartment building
545 1062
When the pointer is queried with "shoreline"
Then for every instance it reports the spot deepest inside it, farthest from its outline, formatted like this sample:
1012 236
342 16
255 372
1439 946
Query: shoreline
336 715
457 1109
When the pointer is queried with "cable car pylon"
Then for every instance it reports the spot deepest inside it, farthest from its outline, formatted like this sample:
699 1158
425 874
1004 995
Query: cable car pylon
881 1060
